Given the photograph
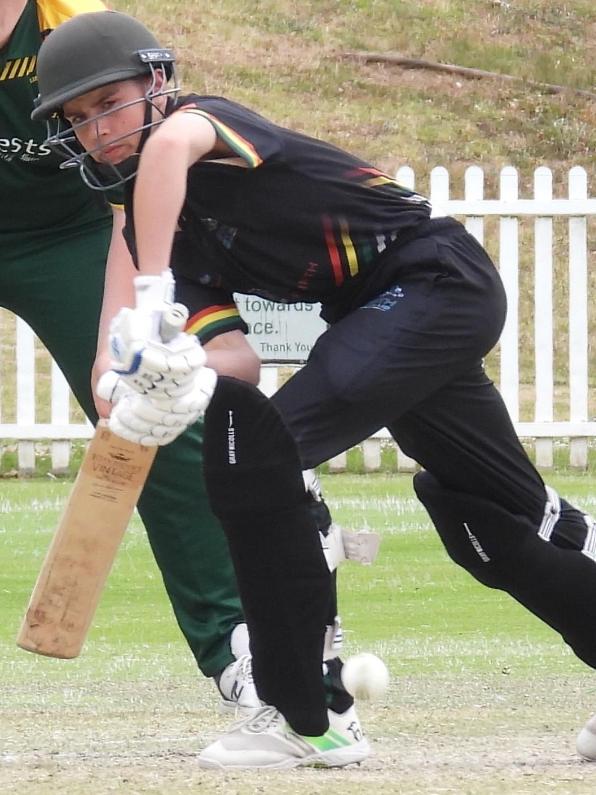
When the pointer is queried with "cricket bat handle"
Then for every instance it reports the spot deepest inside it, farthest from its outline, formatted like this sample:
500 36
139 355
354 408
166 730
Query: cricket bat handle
150 294
172 322
84 545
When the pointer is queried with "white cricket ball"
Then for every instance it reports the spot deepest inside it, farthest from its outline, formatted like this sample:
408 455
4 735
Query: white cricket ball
586 740
365 676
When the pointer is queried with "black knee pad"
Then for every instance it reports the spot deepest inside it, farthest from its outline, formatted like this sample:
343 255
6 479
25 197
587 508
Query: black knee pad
504 551
478 534
251 462
571 530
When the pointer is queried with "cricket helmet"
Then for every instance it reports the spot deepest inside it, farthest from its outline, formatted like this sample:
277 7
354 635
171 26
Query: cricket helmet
89 51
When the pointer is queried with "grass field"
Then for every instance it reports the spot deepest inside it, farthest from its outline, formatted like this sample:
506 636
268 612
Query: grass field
484 699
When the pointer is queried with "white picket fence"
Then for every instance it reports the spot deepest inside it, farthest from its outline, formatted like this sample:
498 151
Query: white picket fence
576 210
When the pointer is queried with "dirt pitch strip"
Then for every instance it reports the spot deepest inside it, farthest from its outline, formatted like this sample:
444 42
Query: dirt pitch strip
497 736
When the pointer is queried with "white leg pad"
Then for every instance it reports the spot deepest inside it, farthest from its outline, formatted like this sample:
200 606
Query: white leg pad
334 639
340 544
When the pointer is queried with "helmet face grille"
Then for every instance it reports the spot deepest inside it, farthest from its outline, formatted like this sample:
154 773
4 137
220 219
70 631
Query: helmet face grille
102 176
91 50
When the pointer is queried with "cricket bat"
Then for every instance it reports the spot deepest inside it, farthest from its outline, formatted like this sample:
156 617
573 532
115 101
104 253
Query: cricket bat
85 544
77 564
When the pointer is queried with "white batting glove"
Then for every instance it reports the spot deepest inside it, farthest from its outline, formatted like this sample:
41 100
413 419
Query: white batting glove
154 296
148 421
155 368
149 350
112 387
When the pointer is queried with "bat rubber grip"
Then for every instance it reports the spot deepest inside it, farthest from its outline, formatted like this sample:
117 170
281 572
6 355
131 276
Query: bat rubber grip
172 322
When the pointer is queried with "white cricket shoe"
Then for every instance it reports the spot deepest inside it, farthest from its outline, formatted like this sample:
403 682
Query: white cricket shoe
237 688
266 740
586 740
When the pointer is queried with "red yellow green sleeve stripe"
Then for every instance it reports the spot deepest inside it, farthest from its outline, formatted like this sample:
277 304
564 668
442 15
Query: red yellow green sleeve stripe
343 254
334 256
214 320
375 177
349 248
374 182
240 145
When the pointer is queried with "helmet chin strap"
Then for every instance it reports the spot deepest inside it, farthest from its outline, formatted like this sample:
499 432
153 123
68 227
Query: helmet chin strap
147 125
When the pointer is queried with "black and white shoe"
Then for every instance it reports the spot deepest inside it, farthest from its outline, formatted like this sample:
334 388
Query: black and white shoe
237 688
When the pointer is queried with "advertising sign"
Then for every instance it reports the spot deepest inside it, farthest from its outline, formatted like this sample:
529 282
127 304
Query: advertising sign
280 332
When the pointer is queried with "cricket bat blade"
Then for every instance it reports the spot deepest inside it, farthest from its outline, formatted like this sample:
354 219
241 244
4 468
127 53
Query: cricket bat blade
76 566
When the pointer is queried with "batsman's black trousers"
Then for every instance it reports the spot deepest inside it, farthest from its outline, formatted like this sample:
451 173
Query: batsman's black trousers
410 359
254 483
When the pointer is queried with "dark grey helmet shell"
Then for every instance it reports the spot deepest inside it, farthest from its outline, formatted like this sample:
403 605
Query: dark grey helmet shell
91 50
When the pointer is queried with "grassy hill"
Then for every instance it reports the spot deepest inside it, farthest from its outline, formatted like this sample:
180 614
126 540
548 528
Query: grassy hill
287 59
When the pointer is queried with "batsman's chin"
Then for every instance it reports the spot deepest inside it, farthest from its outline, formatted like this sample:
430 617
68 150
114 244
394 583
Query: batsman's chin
113 155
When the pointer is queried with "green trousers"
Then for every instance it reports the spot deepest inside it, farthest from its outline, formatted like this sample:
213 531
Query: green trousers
55 283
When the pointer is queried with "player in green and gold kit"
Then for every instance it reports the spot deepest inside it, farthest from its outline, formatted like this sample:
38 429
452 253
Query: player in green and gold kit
54 239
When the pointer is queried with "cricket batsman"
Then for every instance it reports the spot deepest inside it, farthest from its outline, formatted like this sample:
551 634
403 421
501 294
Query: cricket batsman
234 203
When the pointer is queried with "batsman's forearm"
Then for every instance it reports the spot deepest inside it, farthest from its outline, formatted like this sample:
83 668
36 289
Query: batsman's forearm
160 186
159 193
118 286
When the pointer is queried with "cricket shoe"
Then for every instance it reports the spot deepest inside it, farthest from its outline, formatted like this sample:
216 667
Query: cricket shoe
586 740
266 740
237 688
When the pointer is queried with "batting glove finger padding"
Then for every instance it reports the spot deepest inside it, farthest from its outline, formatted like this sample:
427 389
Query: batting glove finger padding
148 421
195 399
168 368
129 420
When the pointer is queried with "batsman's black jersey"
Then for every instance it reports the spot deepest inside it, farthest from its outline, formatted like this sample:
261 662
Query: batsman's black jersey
298 221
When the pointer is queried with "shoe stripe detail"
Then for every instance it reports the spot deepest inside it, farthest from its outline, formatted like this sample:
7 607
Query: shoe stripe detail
340 739
322 743
328 741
